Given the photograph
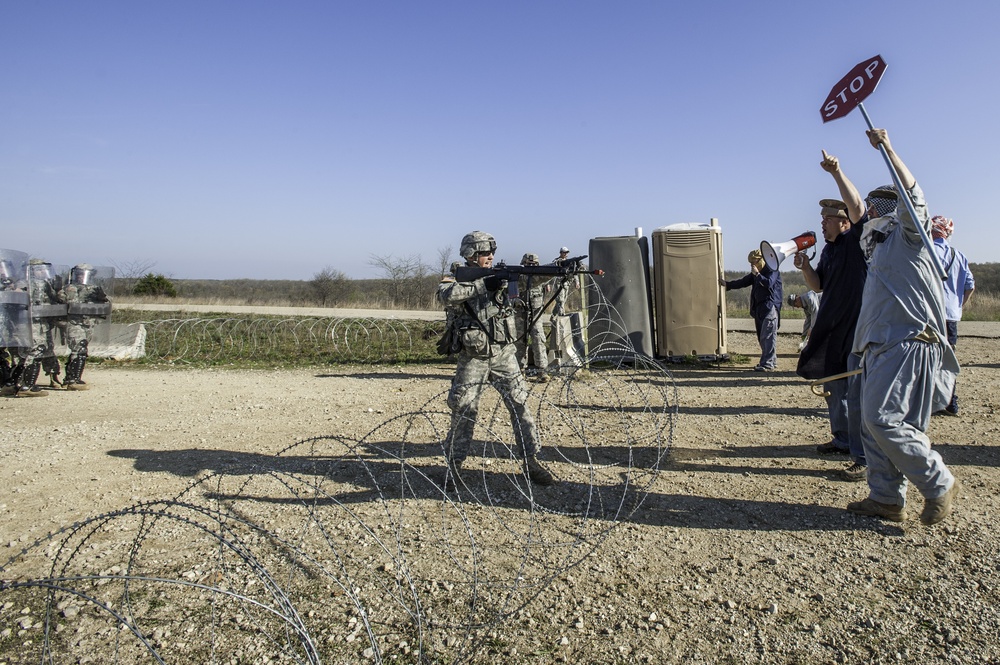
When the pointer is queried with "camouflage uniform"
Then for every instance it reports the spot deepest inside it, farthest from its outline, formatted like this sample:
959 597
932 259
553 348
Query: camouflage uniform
41 353
533 295
484 318
10 340
80 320
564 285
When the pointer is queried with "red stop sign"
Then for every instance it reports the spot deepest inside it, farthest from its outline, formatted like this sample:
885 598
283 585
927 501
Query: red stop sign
853 88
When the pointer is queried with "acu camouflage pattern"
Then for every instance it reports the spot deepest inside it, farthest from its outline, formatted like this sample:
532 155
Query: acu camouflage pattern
47 313
532 291
485 325
88 307
88 313
15 320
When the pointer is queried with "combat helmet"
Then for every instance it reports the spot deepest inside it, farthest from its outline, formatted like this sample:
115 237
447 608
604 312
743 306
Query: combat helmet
475 242
40 269
6 271
530 259
82 274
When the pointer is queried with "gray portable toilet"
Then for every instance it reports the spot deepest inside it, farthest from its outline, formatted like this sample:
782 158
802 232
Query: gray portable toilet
621 319
690 304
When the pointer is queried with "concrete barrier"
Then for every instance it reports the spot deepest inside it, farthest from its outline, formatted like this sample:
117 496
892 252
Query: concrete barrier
126 342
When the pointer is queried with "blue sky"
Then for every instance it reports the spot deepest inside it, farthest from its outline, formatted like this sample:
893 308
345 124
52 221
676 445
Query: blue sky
275 139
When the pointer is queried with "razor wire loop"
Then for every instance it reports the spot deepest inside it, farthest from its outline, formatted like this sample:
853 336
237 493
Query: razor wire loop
272 530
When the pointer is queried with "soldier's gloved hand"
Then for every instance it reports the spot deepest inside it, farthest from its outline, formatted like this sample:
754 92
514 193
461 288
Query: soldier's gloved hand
493 283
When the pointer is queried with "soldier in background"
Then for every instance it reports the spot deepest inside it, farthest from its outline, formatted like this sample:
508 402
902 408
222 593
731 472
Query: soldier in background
87 305
564 285
531 291
15 323
484 319
45 312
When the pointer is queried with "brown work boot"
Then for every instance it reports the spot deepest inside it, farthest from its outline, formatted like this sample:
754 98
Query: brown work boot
937 509
854 473
78 385
873 508
538 474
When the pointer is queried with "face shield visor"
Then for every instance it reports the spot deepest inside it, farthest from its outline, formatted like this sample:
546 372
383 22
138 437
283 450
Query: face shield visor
82 276
6 271
41 272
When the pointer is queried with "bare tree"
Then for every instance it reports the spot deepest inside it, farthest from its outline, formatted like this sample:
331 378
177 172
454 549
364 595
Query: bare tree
330 286
445 259
406 279
128 273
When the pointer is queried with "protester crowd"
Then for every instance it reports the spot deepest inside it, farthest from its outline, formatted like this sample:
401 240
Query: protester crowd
880 331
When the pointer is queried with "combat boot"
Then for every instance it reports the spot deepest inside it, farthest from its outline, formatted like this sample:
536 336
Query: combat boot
452 476
538 474
74 370
27 386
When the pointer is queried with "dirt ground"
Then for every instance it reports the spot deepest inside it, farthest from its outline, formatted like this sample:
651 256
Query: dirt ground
715 534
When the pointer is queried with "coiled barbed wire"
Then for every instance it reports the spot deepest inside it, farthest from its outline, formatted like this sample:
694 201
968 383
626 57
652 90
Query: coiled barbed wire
338 549
323 339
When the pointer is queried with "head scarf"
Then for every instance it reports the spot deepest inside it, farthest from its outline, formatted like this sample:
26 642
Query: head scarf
942 227
884 199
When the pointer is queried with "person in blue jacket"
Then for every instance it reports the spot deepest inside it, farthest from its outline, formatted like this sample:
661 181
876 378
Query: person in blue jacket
958 286
765 307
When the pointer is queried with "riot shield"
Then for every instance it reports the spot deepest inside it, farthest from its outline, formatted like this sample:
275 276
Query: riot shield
15 318
43 283
88 298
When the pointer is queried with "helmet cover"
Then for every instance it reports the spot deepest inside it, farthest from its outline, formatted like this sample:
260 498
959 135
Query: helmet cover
475 242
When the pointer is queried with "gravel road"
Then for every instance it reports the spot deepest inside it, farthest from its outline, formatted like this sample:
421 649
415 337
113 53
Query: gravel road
312 493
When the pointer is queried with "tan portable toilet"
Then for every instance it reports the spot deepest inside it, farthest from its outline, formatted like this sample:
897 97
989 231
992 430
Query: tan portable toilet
689 304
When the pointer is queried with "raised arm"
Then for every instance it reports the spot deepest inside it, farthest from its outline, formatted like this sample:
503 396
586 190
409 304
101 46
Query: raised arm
880 136
848 192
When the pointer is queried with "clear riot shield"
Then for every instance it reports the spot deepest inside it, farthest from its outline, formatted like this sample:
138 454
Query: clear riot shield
88 299
15 317
48 315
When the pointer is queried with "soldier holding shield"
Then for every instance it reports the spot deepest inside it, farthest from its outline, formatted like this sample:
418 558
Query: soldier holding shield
45 313
87 305
15 322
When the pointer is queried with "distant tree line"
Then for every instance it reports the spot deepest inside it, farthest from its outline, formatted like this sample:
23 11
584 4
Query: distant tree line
406 283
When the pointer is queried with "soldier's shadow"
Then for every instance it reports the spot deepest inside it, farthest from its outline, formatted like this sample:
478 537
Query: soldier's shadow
360 477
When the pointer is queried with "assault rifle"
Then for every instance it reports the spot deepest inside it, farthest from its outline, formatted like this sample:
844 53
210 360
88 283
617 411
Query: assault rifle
566 267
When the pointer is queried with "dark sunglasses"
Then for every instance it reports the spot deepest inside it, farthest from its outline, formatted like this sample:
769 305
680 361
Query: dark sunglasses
487 252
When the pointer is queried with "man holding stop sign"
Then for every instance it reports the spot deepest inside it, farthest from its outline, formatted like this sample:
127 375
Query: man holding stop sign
908 368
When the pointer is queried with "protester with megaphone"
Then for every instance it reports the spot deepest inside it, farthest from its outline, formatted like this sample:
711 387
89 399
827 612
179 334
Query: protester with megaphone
776 252
765 306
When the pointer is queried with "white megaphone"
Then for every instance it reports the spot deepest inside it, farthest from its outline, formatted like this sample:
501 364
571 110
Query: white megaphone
776 252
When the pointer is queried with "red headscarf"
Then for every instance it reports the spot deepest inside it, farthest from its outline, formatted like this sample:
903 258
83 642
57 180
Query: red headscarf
942 227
